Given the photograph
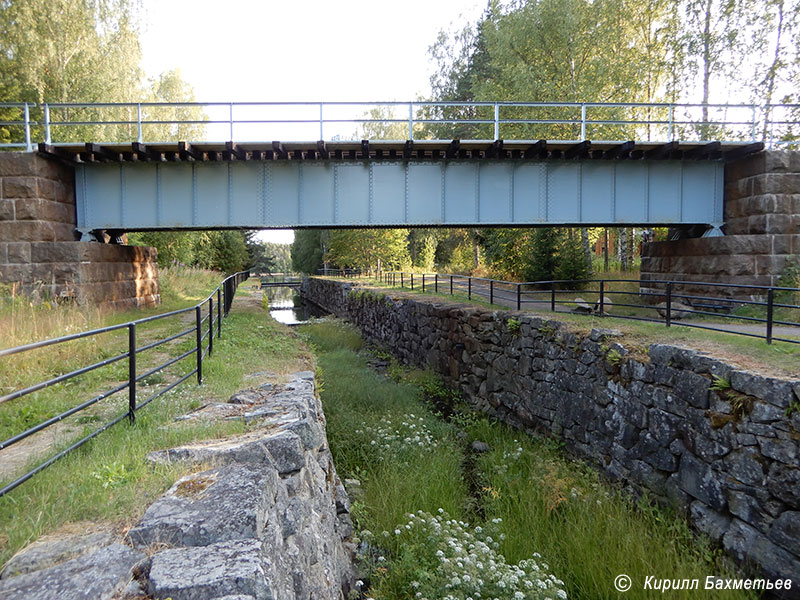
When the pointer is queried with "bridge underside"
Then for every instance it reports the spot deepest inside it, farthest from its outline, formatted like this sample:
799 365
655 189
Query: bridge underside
397 184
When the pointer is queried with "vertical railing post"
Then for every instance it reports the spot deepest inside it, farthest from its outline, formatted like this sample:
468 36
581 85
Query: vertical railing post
670 117
47 138
402 283
553 296
519 296
602 297
423 283
583 122
219 313
668 318
321 136
211 325
139 134
28 145
496 121
451 285
754 128
491 291
132 372
410 120
469 288
412 281
436 283
230 120
199 340
770 310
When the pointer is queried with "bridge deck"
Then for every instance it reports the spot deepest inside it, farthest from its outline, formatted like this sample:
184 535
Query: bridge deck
426 183
397 149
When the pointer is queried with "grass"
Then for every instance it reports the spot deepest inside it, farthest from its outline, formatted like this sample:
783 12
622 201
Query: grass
586 530
109 480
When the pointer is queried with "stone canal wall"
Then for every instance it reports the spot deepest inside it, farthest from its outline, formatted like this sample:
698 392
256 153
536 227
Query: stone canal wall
262 515
39 251
650 418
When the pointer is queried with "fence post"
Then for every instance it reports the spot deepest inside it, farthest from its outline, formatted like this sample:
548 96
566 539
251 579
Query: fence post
602 297
412 281
132 372
219 313
402 283
496 121
198 336
553 296
423 283
469 288
519 296
770 308
436 283
491 291
211 325
451 285
669 304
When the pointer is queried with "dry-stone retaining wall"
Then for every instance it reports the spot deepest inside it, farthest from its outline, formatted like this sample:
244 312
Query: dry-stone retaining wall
38 247
265 518
731 458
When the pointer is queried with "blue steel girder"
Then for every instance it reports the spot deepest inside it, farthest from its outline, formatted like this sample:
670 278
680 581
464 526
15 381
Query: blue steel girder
397 193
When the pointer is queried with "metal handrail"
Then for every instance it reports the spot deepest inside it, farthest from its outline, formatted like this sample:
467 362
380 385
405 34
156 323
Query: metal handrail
670 119
222 295
516 295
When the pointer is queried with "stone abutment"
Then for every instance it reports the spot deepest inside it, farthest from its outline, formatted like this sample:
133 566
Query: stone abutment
39 251
762 232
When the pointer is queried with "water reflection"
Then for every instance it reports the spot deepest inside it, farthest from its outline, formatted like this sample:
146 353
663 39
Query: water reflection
286 306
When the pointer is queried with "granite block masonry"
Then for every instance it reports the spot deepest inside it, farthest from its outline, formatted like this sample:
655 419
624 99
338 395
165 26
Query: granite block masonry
729 458
264 516
762 233
39 251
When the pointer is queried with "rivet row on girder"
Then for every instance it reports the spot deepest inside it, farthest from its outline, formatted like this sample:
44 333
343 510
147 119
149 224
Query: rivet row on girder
123 209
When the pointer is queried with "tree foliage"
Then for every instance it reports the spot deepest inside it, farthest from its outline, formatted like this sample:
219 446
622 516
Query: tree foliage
369 248
60 51
224 251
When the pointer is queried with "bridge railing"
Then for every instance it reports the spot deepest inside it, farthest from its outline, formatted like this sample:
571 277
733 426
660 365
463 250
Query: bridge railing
23 125
207 326
770 313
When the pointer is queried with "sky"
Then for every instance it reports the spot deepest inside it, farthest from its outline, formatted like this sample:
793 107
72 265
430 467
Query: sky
307 50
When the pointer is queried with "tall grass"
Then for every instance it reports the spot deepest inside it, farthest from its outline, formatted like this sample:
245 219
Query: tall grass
586 530
109 480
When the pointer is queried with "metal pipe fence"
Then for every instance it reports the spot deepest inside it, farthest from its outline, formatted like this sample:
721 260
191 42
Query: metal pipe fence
219 300
669 302
27 123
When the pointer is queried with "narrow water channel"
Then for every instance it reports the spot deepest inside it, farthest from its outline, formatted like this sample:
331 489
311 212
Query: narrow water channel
286 306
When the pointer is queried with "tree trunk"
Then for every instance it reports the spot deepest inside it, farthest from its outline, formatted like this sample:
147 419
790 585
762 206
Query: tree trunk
587 249
605 249
772 71
623 249
706 69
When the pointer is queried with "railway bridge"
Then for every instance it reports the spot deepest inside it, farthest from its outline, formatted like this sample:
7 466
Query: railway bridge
456 165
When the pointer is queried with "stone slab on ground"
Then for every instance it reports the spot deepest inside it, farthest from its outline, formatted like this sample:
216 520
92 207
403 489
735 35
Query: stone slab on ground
232 568
49 552
227 503
99 575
